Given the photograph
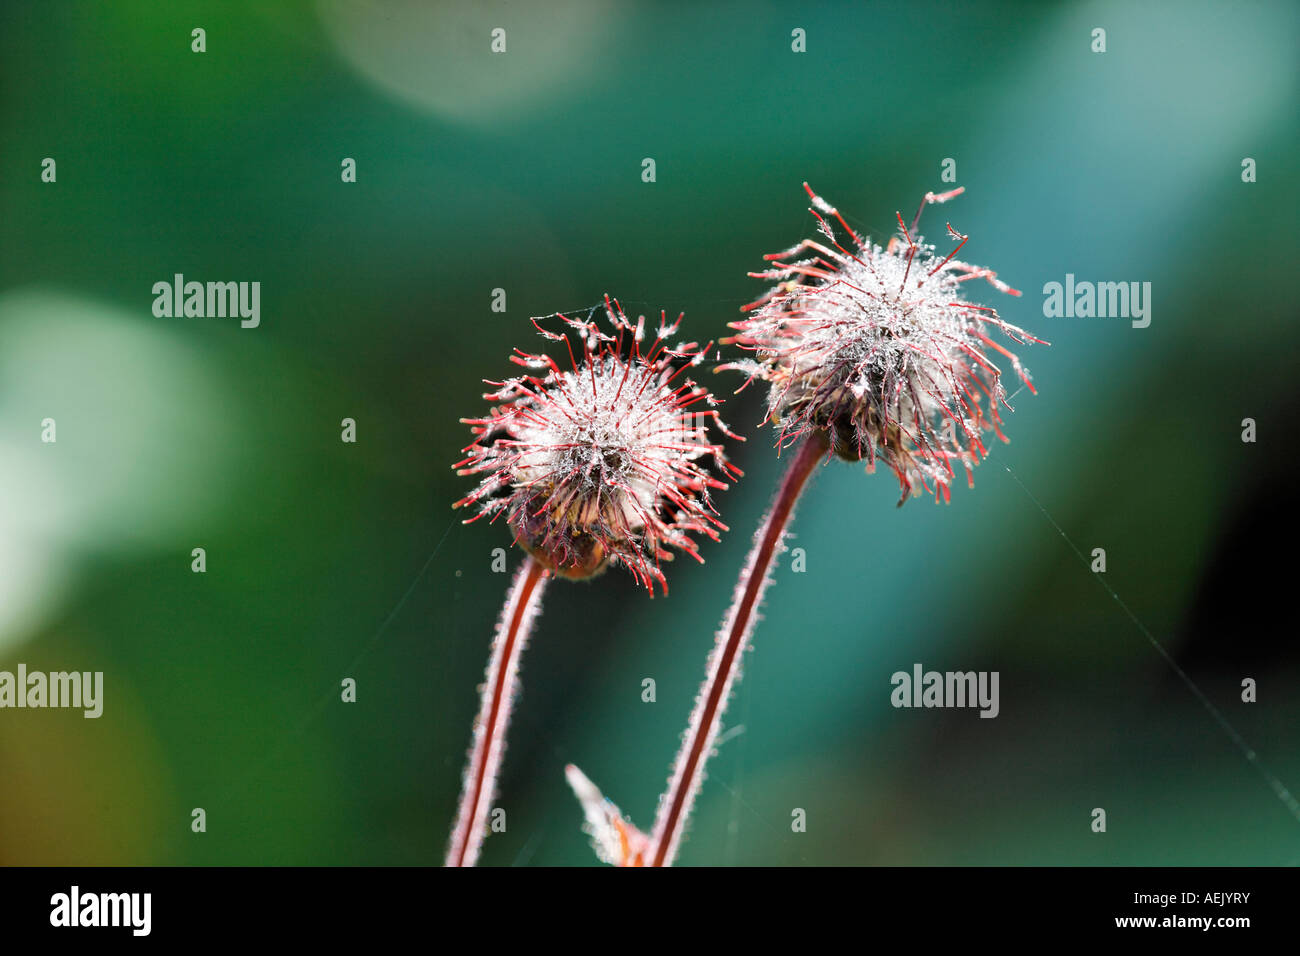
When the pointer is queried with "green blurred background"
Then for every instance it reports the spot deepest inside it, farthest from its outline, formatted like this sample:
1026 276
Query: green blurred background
522 171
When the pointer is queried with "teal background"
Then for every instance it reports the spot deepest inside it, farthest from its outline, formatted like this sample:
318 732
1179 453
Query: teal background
522 171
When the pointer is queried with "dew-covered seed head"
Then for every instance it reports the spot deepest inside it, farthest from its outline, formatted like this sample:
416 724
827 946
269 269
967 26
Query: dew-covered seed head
606 459
878 347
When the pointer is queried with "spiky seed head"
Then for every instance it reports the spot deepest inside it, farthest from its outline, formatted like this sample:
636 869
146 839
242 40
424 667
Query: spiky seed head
879 347
609 460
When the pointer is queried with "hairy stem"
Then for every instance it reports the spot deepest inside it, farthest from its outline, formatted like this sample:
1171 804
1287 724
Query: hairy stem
499 690
725 660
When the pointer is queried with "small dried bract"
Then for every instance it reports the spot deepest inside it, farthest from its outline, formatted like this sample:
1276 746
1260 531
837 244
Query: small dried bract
879 348
615 840
608 461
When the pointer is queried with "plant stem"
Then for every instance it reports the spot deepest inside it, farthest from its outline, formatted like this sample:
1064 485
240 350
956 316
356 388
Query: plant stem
725 660
499 690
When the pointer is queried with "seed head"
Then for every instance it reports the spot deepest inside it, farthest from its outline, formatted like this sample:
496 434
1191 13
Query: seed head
603 462
879 348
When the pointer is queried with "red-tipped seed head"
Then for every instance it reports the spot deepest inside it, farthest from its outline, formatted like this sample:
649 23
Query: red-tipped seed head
879 348
609 460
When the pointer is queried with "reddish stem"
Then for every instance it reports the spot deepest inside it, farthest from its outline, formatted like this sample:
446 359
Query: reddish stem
499 691
724 662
